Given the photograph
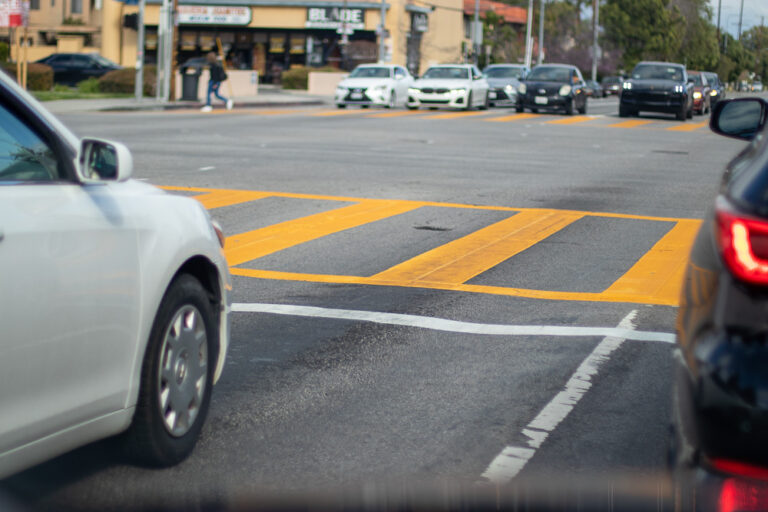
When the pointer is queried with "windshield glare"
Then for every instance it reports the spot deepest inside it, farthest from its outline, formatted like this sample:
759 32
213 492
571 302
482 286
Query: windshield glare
369 72
551 74
502 72
657 72
447 72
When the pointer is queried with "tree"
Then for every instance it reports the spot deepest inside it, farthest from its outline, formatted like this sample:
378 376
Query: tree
755 41
643 29
698 48
501 39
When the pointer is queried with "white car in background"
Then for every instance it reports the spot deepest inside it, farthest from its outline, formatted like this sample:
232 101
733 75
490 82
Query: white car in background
114 298
450 85
374 84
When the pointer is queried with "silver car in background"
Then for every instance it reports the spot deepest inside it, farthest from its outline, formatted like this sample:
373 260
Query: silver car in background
114 298
504 80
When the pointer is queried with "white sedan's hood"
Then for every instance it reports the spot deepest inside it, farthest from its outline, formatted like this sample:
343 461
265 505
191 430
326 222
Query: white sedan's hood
442 83
364 83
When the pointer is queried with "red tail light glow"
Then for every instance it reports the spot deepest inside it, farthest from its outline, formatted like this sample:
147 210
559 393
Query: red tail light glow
743 496
744 245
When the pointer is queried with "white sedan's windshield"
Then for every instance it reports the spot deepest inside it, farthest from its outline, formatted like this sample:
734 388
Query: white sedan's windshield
369 72
447 72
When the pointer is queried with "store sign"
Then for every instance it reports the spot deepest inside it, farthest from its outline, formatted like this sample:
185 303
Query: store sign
335 18
213 15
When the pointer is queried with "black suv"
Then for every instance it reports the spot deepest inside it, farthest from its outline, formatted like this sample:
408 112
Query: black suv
657 87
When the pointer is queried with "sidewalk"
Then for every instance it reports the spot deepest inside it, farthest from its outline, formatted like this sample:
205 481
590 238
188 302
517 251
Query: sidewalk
268 96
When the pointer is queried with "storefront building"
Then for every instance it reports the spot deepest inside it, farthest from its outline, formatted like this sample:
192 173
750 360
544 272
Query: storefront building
267 36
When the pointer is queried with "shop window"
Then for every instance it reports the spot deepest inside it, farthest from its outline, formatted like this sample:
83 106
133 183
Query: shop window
207 41
77 7
189 41
277 43
297 44
34 5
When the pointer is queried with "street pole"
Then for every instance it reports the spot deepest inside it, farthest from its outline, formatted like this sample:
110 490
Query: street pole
741 16
595 48
139 88
382 35
528 37
475 35
719 8
541 34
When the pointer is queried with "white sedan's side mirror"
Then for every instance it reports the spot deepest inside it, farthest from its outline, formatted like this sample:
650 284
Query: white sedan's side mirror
102 160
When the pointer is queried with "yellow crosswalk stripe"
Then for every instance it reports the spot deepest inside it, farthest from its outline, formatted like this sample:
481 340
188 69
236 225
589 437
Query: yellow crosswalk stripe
223 198
341 112
688 127
572 120
463 259
249 246
634 123
455 115
399 113
658 275
513 117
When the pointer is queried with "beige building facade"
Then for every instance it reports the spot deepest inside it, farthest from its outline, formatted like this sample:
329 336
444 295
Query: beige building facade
267 36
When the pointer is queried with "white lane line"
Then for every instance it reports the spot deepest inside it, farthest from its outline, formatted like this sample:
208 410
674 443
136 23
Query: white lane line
513 459
209 168
440 324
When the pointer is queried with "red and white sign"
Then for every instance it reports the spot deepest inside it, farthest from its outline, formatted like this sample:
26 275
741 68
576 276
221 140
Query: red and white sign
213 15
14 13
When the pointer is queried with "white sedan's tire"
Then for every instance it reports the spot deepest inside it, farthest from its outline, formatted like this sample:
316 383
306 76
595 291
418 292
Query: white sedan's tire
176 377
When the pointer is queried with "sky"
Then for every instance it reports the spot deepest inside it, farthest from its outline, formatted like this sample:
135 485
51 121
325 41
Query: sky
729 14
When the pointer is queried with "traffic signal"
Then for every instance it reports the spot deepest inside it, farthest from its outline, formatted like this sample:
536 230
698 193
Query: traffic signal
131 21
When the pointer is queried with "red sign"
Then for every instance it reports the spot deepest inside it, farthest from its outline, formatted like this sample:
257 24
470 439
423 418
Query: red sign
12 13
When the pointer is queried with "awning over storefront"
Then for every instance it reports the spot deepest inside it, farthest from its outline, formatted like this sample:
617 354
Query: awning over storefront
282 3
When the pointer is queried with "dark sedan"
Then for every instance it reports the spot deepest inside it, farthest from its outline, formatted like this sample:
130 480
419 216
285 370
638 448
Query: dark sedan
594 89
72 68
720 410
553 87
718 89
657 87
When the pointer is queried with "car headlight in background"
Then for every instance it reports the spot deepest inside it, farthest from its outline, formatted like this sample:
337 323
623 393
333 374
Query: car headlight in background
565 90
522 89
679 89
509 89
341 90
627 85
414 90
713 92
458 92
697 94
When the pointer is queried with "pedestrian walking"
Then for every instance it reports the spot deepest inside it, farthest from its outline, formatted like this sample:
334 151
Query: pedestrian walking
217 76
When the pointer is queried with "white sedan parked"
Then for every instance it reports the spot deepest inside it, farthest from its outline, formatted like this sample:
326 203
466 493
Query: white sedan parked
454 86
114 298
374 84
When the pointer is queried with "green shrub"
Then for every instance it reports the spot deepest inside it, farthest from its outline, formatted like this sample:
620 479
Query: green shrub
90 85
61 88
123 80
298 76
5 52
39 76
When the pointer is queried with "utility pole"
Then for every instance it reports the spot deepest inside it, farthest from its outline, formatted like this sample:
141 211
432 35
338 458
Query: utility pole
541 34
595 48
719 8
528 36
741 16
139 88
475 34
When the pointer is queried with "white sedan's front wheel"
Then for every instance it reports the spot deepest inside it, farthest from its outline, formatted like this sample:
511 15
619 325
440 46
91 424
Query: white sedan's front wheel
176 377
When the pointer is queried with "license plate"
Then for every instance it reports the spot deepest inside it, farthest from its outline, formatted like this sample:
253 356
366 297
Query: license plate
541 100
356 95
492 95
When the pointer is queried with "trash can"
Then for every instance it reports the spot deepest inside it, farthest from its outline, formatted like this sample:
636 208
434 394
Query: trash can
190 78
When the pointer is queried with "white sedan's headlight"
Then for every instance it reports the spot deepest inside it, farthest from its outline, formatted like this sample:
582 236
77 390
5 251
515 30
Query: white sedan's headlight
341 89
697 95
509 89
565 90
414 90
522 89
459 92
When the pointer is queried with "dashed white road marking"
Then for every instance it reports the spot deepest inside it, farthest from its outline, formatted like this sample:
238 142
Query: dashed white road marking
512 459
209 168
440 324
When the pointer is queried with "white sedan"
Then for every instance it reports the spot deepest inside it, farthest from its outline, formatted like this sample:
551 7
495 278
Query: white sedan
114 298
454 86
374 84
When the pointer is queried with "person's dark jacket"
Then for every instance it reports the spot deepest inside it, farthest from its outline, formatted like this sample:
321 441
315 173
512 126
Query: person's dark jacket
217 73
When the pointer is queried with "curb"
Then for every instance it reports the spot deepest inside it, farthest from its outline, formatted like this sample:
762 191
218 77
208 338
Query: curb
197 106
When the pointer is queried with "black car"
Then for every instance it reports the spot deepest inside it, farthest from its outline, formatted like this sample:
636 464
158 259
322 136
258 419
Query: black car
718 89
612 85
720 408
553 87
71 68
657 87
594 89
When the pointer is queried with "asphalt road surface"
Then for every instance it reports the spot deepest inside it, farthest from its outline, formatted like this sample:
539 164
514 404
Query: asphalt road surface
424 301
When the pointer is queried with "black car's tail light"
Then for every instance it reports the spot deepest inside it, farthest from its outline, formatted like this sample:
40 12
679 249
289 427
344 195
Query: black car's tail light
737 495
743 244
